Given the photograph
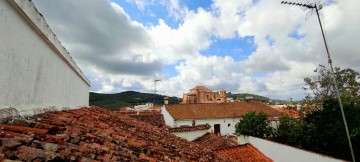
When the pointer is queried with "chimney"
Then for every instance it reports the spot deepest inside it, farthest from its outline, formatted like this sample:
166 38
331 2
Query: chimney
243 139
166 100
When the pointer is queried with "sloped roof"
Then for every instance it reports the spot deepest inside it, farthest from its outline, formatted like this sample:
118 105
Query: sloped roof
201 88
190 128
94 134
213 142
218 110
244 153
288 112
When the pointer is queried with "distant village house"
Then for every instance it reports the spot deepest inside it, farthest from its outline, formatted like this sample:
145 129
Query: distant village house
221 117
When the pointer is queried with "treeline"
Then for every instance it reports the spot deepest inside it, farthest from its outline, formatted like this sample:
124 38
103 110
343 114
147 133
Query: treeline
128 98
321 129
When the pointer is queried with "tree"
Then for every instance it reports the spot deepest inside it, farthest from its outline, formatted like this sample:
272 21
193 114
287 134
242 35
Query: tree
322 130
289 131
254 124
325 132
322 85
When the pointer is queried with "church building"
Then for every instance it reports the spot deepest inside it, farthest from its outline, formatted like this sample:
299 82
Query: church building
201 94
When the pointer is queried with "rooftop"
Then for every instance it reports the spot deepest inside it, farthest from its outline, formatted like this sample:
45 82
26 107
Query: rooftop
190 128
245 153
94 134
203 88
289 112
218 110
213 142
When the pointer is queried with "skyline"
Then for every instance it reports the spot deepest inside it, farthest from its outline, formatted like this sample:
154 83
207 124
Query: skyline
259 47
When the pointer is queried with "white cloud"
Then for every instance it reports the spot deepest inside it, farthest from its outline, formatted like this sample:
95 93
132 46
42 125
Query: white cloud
118 53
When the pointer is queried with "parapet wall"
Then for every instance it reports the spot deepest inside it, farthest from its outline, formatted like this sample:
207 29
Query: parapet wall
281 152
36 71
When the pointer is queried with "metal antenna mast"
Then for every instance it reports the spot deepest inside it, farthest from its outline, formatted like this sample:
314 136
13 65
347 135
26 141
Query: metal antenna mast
156 80
317 8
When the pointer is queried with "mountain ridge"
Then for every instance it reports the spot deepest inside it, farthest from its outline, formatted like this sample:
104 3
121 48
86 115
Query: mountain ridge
130 98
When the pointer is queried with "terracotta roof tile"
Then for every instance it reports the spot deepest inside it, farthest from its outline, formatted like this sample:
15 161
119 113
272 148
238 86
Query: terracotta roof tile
212 141
94 134
190 128
152 117
218 110
288 112
244 153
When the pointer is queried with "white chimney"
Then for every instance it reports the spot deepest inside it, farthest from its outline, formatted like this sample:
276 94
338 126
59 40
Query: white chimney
166 100
243 139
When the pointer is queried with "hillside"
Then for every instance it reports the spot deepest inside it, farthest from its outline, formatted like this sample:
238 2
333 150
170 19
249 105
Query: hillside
127 98
242 96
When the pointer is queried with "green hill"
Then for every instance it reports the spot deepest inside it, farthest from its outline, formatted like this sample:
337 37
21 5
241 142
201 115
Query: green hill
242 96
128 98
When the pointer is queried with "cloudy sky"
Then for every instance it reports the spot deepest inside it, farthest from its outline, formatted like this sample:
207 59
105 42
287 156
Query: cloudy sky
242 46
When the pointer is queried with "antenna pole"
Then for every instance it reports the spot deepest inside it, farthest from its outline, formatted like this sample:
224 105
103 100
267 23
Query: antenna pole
336 87
332 71
156 80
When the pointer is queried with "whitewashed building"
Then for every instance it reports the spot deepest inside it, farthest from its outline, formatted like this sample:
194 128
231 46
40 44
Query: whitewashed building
222 117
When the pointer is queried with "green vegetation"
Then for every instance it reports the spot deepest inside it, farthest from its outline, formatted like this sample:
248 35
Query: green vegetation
289 131
253 124
322 86
242 97
321 130
128 98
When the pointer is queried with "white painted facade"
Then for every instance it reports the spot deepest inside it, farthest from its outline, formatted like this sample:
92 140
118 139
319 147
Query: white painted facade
191 135
169 120
227 125
143 107
36 70
283 153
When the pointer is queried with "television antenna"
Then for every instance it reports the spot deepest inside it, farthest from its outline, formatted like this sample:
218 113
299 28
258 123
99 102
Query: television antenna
316 7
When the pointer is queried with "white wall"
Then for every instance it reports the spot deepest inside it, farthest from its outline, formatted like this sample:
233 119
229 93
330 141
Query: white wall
35 70
224 128
191 135
169 120
283 153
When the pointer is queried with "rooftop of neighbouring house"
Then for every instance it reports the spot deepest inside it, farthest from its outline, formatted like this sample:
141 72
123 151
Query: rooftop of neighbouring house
190 128
289 112
218 110
213 142
247 153
152 117
94 134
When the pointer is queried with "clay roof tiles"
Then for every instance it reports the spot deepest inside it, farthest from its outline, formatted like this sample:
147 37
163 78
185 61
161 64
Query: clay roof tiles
218 110
213 142
94 134
288 112
190 128
244 153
